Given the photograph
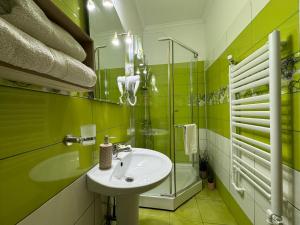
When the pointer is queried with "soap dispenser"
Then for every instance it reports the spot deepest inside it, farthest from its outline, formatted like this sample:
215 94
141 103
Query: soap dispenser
106 151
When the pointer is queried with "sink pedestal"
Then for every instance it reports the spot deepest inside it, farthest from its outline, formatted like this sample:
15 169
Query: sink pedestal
127 209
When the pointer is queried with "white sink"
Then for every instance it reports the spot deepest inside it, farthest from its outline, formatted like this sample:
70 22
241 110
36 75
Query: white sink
130 175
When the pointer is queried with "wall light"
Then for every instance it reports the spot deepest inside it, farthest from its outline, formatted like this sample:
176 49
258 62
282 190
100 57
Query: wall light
108 3
128 38
145 71
91 5
115 41
138 72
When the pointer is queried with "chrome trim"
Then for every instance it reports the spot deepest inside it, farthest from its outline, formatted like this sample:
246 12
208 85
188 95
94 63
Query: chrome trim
196 54
70 139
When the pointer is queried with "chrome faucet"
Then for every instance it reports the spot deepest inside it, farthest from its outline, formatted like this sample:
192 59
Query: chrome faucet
121 148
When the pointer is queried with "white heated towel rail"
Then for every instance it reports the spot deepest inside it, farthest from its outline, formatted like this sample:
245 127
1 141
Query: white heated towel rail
259 113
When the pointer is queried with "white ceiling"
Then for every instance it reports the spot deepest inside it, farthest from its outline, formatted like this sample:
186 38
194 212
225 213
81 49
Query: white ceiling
153 12
148 12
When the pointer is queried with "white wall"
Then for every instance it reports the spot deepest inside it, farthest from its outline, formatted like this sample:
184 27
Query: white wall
129 16
111 56
225 20
191 33
74 205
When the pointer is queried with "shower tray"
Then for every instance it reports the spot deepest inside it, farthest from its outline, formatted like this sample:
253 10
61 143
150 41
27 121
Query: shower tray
160 197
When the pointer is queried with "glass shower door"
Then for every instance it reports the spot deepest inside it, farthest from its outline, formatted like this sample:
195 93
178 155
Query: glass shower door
185 111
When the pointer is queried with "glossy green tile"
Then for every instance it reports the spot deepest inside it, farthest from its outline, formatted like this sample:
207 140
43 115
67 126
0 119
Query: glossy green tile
289 32
289 111
242 43
295 104
31 120
75 10
106 115
295 151
265 21
287 138
29 180
181 68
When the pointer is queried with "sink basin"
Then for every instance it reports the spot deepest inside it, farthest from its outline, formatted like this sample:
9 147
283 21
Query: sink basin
131 174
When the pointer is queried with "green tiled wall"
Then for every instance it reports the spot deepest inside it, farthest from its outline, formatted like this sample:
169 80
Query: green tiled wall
158 109
283 16
275 15
111 91
33 125
75 10
33 158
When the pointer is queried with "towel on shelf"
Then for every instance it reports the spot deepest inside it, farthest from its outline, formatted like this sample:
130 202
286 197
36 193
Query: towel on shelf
28 17
19 49
5 6
190 139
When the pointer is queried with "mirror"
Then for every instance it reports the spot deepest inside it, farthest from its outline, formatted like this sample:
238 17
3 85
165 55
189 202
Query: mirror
109 57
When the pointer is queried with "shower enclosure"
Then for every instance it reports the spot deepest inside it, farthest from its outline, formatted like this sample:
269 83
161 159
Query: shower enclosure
167 101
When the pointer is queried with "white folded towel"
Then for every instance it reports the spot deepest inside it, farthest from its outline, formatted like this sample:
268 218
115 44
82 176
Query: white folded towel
190 139
19 49
28 17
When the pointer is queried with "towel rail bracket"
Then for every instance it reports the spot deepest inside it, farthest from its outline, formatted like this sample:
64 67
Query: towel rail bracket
273 219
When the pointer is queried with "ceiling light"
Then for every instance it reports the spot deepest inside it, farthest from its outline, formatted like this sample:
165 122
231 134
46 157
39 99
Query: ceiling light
91 5
108 3
115 40
128 38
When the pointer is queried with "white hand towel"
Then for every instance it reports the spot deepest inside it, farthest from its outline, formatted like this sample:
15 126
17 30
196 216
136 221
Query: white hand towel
190 139
29 18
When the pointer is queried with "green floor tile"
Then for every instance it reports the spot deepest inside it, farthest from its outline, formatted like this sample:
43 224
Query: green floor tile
188 213
205 208
154 217
215 212
177 220
209 194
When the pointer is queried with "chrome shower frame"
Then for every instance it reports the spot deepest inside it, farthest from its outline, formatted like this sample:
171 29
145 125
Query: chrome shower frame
175 198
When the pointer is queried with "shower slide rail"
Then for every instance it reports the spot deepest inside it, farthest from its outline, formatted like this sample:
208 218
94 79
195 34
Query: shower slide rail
259 114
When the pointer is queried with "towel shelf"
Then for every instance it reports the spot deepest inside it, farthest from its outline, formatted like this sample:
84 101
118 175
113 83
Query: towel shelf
14 73
10 72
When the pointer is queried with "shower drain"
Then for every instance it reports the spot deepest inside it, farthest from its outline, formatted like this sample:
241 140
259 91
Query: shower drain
129 179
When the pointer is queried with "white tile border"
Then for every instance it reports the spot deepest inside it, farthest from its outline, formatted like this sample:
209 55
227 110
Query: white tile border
64 208
253 203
